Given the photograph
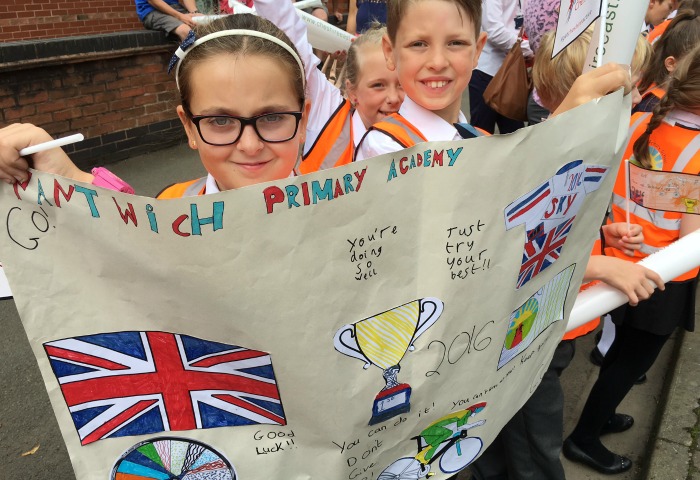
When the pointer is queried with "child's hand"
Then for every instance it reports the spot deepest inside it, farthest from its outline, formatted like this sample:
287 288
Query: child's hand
595 84
632 279
14 168
617 236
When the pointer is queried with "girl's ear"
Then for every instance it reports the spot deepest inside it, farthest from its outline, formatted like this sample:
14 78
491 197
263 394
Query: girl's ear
350 92
388 50
304 120
190 129
670 63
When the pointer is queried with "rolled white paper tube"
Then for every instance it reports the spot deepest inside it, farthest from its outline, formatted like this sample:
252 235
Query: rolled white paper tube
308 4
59 142
323 35
670 262
206 18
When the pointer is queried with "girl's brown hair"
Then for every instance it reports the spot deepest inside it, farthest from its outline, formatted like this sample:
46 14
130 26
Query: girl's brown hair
396 10
682 34
683 93
239 45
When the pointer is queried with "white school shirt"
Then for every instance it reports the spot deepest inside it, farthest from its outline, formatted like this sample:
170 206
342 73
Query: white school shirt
325 97
433 128
683 118
498 21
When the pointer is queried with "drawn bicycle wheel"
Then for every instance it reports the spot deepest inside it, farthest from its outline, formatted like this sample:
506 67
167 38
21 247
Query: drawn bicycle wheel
169 458
461 454
406 468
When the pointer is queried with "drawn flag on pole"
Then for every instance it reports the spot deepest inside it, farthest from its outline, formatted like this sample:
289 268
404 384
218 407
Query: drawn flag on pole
575 16
135 383
667 191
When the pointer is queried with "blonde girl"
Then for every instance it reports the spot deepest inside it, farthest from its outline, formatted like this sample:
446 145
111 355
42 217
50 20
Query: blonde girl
337 124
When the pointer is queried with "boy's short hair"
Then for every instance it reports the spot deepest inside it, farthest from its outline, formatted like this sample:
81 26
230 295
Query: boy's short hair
396 10
553 77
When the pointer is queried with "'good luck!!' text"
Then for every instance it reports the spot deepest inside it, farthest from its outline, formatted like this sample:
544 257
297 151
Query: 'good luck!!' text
310 193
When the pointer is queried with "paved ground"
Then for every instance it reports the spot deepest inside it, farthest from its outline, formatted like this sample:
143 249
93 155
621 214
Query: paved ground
663 443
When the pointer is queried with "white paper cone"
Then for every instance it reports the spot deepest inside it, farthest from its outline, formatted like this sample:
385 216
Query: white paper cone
206 18
622 24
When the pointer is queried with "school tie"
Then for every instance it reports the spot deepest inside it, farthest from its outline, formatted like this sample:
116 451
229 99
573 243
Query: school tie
467 131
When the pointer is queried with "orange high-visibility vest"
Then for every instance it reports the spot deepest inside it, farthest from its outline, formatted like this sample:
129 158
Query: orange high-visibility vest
400 130
674 149
192 188
658 31
655 90
334 146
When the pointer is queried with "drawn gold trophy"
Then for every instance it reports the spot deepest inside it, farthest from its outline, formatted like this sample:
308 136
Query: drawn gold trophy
383 340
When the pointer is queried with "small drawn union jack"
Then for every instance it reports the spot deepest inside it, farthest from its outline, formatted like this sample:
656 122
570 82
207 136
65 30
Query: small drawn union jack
135 383
540 252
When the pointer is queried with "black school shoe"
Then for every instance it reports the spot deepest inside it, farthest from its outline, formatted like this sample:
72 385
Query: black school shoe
597 359
574 453
617 423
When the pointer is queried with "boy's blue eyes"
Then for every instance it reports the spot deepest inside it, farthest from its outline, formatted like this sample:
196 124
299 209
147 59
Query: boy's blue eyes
452 43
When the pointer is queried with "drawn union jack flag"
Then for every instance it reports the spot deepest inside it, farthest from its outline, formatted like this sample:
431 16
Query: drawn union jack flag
542 251
135 383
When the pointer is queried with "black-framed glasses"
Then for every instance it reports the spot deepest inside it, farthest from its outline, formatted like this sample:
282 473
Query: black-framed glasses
221 130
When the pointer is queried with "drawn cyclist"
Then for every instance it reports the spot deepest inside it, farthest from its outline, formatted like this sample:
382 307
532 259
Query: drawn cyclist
440 431
433 442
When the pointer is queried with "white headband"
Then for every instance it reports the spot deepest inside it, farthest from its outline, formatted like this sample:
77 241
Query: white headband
181 52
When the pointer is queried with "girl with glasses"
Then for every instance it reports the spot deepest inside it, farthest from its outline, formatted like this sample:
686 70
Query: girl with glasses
243 106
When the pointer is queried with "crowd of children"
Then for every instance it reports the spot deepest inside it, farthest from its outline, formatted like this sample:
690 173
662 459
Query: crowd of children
404 85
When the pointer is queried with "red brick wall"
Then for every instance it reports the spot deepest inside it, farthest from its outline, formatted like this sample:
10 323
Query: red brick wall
93 98
36 19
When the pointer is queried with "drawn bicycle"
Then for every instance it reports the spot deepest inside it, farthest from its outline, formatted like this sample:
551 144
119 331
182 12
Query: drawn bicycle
445 440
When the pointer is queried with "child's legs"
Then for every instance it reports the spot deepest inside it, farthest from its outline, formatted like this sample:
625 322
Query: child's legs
631 354
508 125
157 20
481 115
